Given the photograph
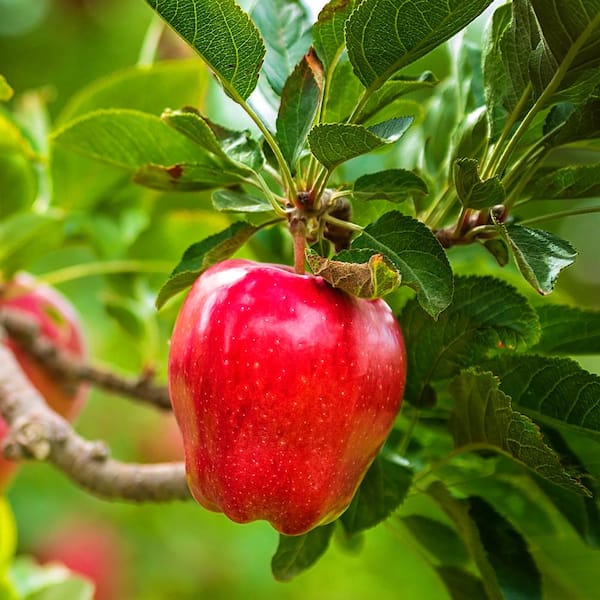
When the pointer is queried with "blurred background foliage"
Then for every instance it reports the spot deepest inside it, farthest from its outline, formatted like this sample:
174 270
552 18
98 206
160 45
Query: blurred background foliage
64 57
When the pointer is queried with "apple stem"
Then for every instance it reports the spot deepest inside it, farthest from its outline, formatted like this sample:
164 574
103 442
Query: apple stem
298 231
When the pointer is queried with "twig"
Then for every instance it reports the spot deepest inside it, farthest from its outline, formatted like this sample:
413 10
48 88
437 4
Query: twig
35 431
25 333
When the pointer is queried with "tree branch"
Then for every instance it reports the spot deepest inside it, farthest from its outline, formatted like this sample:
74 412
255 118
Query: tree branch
25 333
35 431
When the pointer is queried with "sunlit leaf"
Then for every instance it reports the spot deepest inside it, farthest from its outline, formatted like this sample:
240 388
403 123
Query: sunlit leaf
234 201
384 36
415 252
335 143
328 31
185 177
297 553
486 316
6 92
224 36
484 415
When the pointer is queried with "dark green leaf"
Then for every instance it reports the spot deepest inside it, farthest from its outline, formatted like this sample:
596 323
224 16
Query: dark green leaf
393 89
383 36
483 415
297 553
184 177
580 181
486 316
285 26
381 492
458 511
517 574
328 31
498 249
394 185
198 257
553 390
130 139
472 191
471 135
461 584
299 103
335 143
438 538
580 123
568 330
233 201
415 252
372 279
224 36
540 255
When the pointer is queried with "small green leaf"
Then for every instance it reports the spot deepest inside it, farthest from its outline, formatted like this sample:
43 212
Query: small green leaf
415 252
299 103
328 31
568 330
461 584
553 390
234 201
297 553
472 191
335 143
486 316
198 257
6 92
483 414
223 35
131 139
372 279
8 536
395 185
339 107
540 255
393 89
186 177
285 26
578 181
383 36
381 492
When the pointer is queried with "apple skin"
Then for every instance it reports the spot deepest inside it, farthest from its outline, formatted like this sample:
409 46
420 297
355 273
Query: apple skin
284 389
58 321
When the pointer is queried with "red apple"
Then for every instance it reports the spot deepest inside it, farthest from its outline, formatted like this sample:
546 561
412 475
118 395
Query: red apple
284 388
57 321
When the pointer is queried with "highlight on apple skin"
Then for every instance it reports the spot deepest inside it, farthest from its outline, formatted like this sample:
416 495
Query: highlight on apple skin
285 389
58 321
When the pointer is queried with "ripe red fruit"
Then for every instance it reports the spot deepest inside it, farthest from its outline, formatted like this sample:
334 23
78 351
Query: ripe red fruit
57 321
284 389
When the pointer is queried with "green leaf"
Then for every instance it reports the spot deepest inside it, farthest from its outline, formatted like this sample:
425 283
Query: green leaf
393 89
552 390
131 139
395 185
579 181
339 106
383 36
8 536
461 584
297 553
372 279
285 26
6 92
568 330
507 551
201 255
415 252
328 31
185 177
223 35
234 201
583 122
438 539
299 103
540 255
483 415
335 143
381 492
472 191
458 511
486 316
147 88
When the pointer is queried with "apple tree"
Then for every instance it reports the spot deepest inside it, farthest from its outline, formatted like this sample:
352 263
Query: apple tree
417 364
